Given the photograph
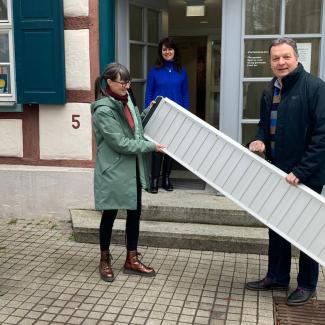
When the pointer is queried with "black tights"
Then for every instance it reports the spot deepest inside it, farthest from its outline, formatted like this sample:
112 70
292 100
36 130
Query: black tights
132 225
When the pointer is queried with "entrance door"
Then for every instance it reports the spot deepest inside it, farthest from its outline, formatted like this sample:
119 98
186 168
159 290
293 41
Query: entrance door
198 36
198 39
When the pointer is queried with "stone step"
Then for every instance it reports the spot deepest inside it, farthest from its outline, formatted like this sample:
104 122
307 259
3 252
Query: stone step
194 207
225 238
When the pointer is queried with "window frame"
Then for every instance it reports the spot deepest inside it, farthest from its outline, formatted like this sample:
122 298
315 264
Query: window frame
144 43
320 36
9 99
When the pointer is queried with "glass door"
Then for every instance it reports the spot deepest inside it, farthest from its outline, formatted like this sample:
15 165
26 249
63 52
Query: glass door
144 34
266 20
213 82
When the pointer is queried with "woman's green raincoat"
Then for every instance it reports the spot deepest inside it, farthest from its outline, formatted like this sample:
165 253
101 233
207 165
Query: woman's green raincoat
118 149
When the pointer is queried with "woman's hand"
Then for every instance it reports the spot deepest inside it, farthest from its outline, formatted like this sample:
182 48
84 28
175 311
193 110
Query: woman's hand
160 147
153 102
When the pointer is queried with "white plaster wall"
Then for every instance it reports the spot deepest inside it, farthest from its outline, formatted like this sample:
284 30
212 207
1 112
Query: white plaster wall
35 191
75 8
58 138
77 60
11 138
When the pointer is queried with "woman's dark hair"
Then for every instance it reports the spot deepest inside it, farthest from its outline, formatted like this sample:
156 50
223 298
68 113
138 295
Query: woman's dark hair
112 71
169 43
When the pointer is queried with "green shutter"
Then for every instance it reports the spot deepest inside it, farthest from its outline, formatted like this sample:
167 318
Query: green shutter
39 51
106 32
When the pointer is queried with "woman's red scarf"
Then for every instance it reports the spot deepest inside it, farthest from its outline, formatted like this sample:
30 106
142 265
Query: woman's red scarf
124 101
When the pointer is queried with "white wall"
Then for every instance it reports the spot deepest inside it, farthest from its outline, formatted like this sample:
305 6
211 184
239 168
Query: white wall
65 131
34 192
75 8
77 60
11 135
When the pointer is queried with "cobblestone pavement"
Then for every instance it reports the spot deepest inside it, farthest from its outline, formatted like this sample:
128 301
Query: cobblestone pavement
48 278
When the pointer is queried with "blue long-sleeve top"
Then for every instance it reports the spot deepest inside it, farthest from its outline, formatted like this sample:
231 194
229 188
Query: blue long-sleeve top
166 81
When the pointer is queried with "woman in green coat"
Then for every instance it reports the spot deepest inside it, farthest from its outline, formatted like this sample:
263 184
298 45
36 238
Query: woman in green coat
121 165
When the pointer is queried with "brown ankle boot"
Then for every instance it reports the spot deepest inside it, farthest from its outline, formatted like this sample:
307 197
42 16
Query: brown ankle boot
105 268
134 266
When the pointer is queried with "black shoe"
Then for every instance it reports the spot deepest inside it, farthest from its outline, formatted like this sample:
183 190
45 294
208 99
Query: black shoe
300 297
154 186
265 284
166 184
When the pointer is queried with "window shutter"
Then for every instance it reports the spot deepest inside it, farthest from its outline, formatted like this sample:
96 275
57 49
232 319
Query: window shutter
39 51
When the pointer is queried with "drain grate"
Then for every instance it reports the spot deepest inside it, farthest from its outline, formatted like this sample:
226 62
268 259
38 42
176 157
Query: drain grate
311 313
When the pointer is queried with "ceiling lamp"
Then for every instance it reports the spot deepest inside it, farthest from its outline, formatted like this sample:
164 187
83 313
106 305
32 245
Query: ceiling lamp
195 11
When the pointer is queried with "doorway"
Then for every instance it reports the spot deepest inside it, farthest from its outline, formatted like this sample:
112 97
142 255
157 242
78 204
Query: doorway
199 42
198 37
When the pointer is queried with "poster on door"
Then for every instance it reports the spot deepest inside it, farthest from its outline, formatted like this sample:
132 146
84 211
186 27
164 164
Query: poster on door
3 83
304 52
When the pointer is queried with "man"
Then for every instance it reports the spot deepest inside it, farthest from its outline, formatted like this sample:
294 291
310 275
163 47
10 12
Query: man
291 133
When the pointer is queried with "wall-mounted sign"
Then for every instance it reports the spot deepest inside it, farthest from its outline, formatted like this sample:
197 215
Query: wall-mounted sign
257 58
304 51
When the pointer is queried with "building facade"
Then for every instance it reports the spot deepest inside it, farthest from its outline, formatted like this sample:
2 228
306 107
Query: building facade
51 51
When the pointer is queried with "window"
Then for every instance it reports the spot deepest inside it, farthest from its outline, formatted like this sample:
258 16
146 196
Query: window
266 20
32 66
143 43
7 69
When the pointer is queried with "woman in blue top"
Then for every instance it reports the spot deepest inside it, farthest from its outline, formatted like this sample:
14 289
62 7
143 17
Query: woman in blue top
168 79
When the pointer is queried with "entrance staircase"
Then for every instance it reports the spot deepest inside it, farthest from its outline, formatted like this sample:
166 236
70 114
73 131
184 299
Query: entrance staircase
184 219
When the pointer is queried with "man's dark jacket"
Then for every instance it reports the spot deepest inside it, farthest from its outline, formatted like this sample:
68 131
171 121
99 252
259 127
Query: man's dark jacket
300 130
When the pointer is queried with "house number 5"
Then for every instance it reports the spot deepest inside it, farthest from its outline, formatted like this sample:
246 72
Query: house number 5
75 121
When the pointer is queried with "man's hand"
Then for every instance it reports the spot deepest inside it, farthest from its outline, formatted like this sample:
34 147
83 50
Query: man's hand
160 147
292 179
257 146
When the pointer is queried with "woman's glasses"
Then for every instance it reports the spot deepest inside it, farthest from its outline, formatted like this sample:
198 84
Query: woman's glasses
125 84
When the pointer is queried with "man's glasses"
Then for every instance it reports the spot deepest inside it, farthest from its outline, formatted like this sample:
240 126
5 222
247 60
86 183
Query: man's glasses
123 83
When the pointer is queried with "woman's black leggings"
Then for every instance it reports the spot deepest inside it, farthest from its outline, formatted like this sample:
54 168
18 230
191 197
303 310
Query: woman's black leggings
132 225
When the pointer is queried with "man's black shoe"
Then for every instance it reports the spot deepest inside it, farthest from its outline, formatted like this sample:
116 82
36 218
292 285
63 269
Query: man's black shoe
265 284
300 297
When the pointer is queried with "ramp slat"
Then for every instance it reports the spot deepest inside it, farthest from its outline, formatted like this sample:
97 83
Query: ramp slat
246 180
195 146
187 140
315 226
229 168
264 193
220 162
296 213
303 220
255 187
181 134
205 149
274 199
211 157
296 209
285 205
237 174
173 129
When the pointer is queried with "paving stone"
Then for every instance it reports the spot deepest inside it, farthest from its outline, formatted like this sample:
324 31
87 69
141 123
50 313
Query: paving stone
45 278
154 322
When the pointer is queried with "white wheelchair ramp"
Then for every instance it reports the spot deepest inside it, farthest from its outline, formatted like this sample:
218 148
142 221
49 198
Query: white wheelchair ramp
295 213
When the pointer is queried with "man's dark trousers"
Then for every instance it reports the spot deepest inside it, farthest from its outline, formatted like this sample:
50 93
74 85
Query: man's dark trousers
280 260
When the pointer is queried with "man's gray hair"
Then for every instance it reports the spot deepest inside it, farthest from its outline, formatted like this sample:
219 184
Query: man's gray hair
285 40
